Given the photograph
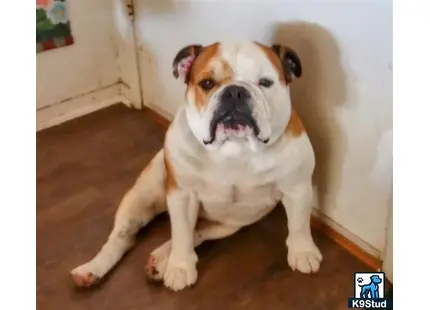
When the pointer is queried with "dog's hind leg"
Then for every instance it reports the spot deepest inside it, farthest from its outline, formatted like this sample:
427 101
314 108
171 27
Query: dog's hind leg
363 293
140 205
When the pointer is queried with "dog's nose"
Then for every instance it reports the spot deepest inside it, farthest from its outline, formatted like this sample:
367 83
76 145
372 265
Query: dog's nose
236 93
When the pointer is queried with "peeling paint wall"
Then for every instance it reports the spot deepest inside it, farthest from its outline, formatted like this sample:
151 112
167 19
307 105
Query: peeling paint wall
91 63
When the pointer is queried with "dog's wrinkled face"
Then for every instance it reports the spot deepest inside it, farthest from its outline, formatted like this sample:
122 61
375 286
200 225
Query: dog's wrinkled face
237 93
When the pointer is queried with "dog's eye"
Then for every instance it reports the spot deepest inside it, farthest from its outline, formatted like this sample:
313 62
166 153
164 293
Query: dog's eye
207 84
265 82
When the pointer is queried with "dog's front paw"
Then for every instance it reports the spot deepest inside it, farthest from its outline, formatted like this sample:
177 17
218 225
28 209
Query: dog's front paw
180 274
303 254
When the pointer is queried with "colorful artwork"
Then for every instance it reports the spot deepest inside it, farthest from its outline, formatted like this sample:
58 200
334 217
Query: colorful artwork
52 25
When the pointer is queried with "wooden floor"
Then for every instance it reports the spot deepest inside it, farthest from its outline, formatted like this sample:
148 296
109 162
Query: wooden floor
85 166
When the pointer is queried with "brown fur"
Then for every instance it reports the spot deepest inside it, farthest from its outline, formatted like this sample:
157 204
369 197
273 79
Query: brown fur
295 126
202 69
276 62
170 174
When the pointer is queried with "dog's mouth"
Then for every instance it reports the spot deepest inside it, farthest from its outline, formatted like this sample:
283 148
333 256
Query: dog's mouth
233 125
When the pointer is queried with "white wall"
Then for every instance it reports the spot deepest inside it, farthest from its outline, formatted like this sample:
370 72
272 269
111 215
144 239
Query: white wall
90 64
344 97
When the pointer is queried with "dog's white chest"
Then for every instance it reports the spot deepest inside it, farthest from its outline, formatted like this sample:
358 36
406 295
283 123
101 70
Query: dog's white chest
239 208
236 197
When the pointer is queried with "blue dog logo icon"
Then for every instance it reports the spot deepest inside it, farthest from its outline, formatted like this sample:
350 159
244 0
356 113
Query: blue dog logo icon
370 290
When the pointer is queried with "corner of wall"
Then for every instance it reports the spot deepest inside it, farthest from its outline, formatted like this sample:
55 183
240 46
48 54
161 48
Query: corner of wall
128 62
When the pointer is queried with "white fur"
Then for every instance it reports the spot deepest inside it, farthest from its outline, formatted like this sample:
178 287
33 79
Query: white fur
232 185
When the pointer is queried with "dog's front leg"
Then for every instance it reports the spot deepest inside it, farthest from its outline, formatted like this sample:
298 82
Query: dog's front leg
303 254
375 293
183 207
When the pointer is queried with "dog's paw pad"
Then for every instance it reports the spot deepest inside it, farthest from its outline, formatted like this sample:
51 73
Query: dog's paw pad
85 280
179 277
155 268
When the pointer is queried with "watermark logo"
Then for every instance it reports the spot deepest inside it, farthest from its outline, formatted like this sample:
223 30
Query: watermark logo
369 290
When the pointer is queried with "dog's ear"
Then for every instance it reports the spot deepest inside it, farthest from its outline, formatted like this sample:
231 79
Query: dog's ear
184 60
290 61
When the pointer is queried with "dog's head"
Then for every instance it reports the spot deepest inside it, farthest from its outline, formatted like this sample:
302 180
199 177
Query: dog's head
237 93
375 279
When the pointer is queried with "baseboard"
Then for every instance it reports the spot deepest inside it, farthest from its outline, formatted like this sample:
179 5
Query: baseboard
129 97
80 105
345 239
387 266
126 95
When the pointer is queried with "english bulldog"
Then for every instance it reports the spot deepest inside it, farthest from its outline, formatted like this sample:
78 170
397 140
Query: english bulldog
233 151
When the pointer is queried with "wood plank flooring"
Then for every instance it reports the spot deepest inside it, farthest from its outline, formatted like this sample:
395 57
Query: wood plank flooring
85 166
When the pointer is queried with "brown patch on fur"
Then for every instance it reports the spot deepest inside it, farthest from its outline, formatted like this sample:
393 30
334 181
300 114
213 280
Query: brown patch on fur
170 174
295 126
227 72
203 69
276 62
200 68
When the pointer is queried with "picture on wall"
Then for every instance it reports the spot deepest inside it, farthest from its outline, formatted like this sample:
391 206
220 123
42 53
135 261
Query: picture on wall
52 25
